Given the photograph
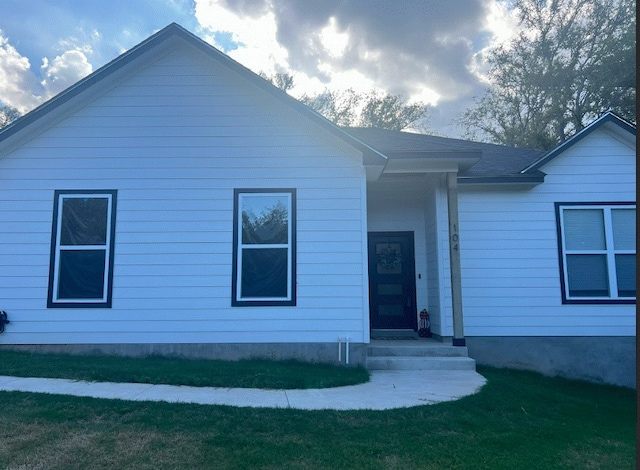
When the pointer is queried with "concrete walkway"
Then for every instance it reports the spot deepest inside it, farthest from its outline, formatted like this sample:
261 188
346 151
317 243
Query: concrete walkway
385 390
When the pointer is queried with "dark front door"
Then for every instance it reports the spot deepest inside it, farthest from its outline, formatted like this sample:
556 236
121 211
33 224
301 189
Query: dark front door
392 284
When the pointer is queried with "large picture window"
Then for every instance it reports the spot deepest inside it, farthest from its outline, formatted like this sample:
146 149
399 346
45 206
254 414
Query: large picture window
597 245
81 264
264 247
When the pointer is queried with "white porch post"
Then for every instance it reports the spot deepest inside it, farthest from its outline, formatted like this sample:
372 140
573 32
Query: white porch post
454 259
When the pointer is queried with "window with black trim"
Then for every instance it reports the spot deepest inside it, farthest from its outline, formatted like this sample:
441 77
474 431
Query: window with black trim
264 247
82 241
597 246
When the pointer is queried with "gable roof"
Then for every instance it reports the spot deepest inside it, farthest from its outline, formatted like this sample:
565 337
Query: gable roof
372 158
609 120
488 163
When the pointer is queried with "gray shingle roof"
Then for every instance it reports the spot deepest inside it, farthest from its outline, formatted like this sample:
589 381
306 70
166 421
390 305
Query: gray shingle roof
497 161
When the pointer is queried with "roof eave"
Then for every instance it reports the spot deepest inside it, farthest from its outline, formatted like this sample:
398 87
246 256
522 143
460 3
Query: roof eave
502 180
608 117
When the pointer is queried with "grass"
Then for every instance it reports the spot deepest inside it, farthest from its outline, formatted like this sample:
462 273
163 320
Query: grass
177 371
519 420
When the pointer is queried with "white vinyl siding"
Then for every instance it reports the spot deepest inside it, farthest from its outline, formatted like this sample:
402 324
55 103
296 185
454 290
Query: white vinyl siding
175 139
509 246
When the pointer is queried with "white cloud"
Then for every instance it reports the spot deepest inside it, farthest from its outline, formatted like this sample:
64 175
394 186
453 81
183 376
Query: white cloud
425 95
21 88
17 83
343 79
501 22
333 41
502 25
64 70
258 48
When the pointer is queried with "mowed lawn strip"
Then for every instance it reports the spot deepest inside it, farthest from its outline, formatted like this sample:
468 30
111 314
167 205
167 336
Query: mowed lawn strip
519 420
178 371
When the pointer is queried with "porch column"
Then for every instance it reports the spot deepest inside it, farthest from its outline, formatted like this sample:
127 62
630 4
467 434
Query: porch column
454 259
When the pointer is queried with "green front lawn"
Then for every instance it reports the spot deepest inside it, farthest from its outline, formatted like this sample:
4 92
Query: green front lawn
253 373
519 420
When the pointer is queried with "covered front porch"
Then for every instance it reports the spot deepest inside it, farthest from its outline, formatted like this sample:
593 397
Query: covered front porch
413 243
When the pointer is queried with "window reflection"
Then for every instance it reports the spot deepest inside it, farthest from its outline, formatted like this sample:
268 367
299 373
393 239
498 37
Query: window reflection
265 220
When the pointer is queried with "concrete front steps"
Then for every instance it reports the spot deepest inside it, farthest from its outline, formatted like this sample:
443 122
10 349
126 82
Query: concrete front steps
422 354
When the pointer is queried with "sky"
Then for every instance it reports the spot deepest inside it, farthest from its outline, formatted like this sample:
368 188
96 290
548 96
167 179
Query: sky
424 50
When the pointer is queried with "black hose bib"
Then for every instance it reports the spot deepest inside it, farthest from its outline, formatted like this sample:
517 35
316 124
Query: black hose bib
4 320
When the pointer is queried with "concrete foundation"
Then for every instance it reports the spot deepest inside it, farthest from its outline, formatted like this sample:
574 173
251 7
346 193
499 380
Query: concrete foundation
610 360
309 352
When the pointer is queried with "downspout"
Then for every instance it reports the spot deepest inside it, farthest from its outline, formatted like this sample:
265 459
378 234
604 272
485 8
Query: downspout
454 259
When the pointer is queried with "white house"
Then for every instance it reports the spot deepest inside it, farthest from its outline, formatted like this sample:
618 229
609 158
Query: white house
547 246
175 202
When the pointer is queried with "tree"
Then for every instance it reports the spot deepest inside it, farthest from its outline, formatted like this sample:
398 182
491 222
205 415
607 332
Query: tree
270 226
338 107
350 108
391 112
282 80
8 114
572 61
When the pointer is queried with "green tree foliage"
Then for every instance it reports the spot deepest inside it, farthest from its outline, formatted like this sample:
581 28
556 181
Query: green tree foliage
8 114
572 61
391 112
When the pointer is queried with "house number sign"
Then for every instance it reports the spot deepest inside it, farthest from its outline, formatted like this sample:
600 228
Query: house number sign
455 237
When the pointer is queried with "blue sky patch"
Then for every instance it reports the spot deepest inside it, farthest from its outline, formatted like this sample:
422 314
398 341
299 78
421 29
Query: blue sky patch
224 39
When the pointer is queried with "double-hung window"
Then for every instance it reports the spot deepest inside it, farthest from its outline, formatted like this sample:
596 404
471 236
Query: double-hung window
82 241
597 244
264 247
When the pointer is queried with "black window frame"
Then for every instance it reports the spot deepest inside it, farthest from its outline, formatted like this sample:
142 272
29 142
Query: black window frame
238 248
610 252
53 299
